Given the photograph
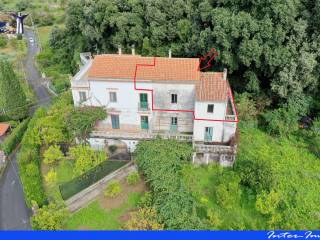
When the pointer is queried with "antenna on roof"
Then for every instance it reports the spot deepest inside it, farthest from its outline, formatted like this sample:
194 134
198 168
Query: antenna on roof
225 72
119 50
133 50
170 53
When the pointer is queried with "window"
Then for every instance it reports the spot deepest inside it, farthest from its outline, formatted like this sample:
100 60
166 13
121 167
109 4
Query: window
174 124
174 121
115 121
210 108
113 96
143 105
144 122
174 98
82 96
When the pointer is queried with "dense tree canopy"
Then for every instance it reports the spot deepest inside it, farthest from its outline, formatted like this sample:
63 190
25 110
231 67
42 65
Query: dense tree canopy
13 102
268 46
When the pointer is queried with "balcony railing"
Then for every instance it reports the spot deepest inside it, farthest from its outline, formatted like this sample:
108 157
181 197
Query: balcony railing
230 117
176 136
207 148
143 106
144 134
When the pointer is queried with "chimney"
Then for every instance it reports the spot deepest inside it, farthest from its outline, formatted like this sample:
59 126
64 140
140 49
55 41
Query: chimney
225 72
119 50
133 50
170 53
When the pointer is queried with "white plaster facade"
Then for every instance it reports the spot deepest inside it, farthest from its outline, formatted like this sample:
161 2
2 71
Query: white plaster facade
187 110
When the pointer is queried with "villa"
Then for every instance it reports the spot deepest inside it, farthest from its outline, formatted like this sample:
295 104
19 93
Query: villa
169 97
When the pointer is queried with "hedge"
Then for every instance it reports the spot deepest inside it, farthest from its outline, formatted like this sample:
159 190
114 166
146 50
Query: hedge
85 180
29 163
15 137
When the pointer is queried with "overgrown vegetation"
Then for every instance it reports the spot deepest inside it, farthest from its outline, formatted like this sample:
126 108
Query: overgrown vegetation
161 162
48 132
29 163
258 192
269 49
50 217
81 121
13 102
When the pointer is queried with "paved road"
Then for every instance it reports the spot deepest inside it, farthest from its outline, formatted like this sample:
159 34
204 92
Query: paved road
14 214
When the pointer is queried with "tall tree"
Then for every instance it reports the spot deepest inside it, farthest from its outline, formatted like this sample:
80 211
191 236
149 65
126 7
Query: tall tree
13 100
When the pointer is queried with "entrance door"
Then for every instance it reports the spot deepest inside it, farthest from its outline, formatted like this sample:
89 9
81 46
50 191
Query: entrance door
208 134
143 101
144 122
115 121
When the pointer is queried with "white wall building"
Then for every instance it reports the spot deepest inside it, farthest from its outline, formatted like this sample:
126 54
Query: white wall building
147 97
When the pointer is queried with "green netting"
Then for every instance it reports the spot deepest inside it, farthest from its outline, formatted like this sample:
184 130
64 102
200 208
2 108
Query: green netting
68 189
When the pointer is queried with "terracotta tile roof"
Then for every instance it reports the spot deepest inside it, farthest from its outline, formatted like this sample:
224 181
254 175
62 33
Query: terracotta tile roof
165 69
4 128
211 87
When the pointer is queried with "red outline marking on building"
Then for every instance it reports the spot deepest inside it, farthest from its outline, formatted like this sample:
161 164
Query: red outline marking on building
229 94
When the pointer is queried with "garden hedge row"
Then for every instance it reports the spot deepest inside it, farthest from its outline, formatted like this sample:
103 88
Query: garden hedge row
77 184
15 137
29 163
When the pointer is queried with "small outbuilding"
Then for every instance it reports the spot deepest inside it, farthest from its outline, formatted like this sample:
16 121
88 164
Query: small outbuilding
4 127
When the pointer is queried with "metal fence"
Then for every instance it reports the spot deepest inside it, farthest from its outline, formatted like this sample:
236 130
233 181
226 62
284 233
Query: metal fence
68 189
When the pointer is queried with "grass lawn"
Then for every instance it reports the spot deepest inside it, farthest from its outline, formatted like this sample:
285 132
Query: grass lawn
107 213
44 33
64 173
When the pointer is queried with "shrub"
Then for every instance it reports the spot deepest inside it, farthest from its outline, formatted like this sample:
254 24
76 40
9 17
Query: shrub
146 200
61 84
113 189
246 107
53 155
85 158
144 219
133 178
51 177
19 37
282 121
113 148
3 42
15 137
256 175
213 219
49 217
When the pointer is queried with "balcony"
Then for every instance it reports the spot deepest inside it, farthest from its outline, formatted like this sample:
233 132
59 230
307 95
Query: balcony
202 147
172 135
230 117
143 106
138 134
